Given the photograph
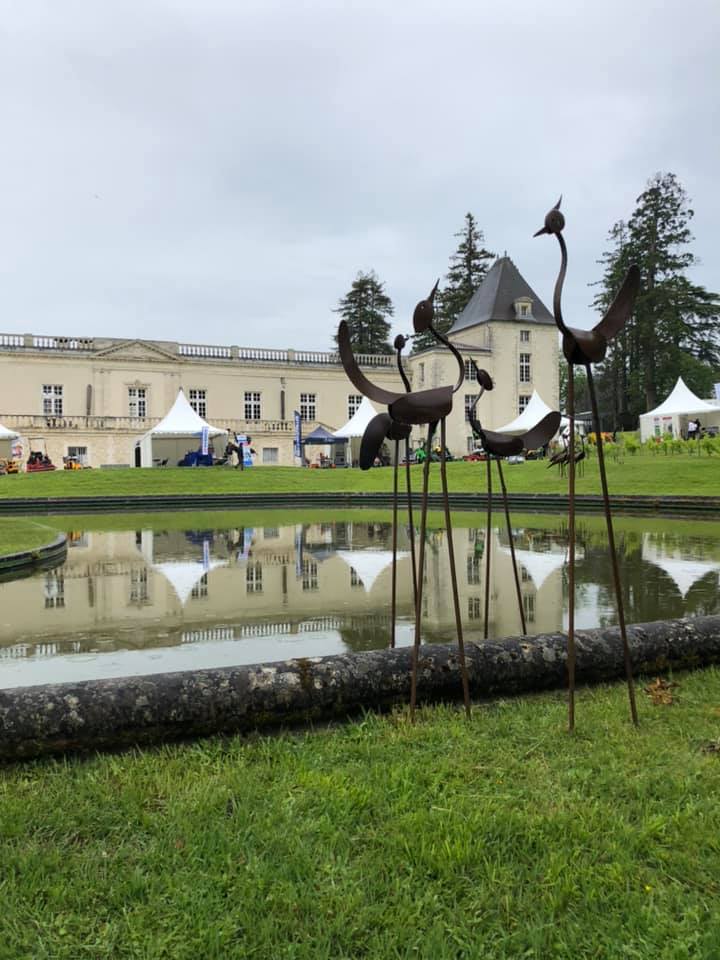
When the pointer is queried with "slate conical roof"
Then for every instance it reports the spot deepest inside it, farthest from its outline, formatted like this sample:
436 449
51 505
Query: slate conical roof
494 299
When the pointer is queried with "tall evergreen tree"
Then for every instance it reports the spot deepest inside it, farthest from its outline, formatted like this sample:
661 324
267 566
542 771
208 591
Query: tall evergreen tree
468 266
675 327
364 308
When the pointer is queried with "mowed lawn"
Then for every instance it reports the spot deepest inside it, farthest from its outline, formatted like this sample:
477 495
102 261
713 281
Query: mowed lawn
643 473
502 837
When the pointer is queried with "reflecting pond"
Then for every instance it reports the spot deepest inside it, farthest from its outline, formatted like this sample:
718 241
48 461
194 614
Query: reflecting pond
155 598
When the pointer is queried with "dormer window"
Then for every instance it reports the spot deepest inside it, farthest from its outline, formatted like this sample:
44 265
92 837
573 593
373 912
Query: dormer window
523 308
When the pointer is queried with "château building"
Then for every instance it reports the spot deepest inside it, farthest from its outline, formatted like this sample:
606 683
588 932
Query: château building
94 397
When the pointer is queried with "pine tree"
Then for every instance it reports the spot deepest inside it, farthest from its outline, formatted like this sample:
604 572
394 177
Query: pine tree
364 308
675 327
468 266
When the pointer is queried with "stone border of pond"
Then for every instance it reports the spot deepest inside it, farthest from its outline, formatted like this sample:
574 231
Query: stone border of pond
534 503
118 713
13 566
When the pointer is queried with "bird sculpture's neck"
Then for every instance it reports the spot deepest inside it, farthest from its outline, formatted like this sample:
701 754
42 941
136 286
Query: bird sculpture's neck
557 296
401 370
451 348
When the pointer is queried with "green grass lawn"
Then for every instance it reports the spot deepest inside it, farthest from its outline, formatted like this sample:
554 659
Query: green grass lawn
22 533
498 838
643 473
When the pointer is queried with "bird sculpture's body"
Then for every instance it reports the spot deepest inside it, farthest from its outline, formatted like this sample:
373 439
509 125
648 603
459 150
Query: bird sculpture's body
405 410
583 348
499 445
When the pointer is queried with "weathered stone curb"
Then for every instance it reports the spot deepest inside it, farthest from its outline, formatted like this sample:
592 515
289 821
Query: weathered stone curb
704 507
15 565
115 713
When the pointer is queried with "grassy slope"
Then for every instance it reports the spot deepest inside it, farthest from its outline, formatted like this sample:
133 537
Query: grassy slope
640 474
501 838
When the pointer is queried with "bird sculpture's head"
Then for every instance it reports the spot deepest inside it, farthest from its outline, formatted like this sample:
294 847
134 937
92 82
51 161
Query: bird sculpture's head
554 221
482 377
425 312
400 342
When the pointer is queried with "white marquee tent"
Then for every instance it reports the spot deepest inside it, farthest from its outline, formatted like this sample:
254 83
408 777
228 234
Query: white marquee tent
184 575
7 438
532 414
369 564
672 416
355 427
179 431
683 571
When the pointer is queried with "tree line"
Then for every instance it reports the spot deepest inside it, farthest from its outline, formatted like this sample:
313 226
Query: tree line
674 329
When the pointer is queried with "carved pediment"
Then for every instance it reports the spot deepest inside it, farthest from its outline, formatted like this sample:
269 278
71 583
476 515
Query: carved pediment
136 350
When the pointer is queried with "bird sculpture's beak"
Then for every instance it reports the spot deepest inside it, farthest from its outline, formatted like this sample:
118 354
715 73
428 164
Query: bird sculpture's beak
431 298
540 232
546 228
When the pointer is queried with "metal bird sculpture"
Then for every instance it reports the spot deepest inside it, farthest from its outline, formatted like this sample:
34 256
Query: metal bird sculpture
583 348
499 445
417 408
381 428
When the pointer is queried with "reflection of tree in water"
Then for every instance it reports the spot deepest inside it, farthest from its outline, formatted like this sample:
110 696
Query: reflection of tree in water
366 633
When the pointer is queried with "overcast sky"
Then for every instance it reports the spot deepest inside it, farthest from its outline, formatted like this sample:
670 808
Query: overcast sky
217 171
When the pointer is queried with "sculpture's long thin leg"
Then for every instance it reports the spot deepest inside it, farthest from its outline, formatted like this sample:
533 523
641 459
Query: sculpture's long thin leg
420 574
611 544
410 518
453 574
512 546
488 533
393 599
571 551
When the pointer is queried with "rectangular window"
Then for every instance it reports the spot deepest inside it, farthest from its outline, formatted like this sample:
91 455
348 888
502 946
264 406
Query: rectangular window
139 595
252 405
52 399
137 402
270 454
78 453
422 374
469 370
524 310
529 607
254 578
525 368
474 608
198 401
200 590
473 568
470 399
523 401
309 575
524 336
355 580
308 406
354 401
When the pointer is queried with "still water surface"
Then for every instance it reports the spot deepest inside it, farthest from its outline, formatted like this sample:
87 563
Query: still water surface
143 601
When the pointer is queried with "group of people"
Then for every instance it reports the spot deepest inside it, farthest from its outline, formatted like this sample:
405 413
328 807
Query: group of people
694 429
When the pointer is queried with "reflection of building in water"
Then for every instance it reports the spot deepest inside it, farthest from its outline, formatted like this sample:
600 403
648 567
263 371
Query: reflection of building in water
665 553
158 588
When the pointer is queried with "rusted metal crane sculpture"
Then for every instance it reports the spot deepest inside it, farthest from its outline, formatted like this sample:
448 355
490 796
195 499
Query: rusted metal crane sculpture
499 445
583 348
419 408
381 428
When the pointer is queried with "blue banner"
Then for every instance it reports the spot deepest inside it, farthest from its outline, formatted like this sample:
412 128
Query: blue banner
297 445
205 442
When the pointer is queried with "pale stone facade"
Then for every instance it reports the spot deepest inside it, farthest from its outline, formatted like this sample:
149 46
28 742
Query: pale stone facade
95 397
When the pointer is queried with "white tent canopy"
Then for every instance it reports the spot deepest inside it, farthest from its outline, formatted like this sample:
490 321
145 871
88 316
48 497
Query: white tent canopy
184 575
6 441
369 564
178 431
355 427
672 415
532 414
685 572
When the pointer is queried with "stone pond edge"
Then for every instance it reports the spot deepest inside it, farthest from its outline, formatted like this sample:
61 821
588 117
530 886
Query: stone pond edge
23 563
117 713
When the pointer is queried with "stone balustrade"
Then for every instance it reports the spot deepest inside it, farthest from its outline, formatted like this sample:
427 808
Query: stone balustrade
27 422
188 351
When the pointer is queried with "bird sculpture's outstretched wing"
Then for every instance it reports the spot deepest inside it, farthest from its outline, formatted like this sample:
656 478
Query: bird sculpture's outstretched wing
355 374
542 432
620 309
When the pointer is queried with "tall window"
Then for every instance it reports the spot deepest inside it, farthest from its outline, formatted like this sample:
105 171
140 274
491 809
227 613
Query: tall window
354 401
254 578
52 399
525 368
470 399
523 401
308 406
529 606
198 401
270 454
474 608
473 568
252 406
469 371
524 336
137 402
309 575
421 368
79 453
200 590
